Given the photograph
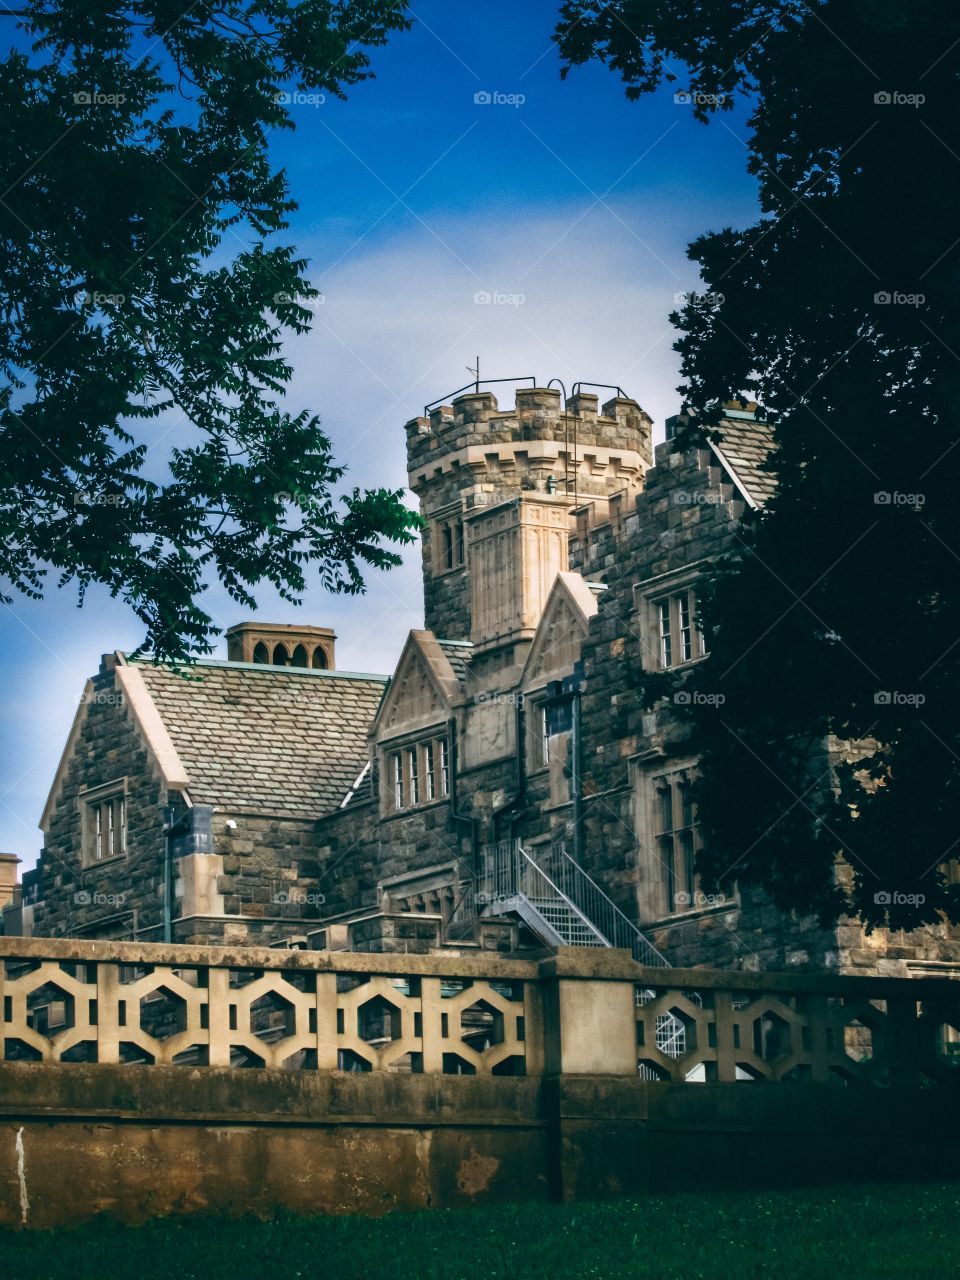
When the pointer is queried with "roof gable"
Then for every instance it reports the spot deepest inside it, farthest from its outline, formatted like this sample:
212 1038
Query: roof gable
143 714
423 688
744 449
563 626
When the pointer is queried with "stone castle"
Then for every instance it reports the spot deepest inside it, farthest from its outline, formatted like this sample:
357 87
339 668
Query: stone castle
505 790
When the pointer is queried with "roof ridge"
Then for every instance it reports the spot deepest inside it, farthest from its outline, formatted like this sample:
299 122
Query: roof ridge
224 663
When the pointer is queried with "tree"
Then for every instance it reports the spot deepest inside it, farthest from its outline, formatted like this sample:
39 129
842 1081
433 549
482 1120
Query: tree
838 613
135 160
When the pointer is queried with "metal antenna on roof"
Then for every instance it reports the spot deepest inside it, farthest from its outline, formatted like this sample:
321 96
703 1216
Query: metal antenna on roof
476 374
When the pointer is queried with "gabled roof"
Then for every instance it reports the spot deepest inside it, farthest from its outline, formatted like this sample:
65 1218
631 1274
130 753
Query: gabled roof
457 653
264 739
571 604
744 450
425 685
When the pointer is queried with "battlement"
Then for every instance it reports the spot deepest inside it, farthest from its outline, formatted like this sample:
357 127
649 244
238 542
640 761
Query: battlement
471 457
538 438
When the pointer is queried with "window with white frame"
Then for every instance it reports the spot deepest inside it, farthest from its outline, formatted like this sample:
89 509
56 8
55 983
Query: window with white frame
539 737
418 773
413 774
677 636
672 839
104 822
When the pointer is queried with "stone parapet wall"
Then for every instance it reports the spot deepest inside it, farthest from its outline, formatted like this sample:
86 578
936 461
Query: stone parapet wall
485 1079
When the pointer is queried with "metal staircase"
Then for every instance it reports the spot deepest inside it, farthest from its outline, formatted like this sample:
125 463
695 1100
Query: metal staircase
557 900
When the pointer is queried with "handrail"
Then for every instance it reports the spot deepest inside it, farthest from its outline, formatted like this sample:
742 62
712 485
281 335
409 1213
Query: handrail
617 928
509 871
505 865
477 384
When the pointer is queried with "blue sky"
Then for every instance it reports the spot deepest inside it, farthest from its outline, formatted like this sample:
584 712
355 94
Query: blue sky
562 197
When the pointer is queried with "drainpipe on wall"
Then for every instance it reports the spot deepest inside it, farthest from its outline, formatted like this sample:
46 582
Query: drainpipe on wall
575 783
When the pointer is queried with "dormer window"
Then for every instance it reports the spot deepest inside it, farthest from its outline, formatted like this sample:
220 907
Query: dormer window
679 639
667 617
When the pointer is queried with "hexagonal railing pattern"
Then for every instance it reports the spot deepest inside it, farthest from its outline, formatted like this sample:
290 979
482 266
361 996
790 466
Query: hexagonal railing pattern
68 1001
108 1011
819 1035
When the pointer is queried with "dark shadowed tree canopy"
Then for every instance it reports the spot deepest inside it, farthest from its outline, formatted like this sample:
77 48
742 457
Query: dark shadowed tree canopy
143 288
839 613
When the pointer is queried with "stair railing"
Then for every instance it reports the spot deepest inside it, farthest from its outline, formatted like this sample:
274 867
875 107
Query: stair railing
617 929
510 872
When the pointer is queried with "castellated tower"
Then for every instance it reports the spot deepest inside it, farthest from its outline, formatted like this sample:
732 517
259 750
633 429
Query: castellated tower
499 489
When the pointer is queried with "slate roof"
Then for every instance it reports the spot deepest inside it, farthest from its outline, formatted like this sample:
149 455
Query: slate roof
271 740
458 655
744 450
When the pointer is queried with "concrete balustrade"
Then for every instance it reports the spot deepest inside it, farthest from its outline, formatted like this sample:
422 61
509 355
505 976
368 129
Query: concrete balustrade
139 1079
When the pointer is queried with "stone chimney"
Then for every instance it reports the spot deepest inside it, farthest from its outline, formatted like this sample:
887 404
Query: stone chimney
277 644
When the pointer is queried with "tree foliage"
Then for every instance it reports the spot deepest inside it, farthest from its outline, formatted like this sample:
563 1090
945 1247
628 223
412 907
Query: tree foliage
839 612
142 287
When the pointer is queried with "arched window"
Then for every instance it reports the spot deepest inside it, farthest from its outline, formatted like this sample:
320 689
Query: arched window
299 658
280 656
319 662
261 653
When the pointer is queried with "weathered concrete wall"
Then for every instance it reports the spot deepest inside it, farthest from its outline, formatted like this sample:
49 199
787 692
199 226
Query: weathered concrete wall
135 1143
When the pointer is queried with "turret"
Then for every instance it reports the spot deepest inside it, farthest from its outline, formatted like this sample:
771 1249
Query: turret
467 457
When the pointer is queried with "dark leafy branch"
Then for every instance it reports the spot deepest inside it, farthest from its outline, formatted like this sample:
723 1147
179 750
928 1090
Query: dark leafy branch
119 195
837 619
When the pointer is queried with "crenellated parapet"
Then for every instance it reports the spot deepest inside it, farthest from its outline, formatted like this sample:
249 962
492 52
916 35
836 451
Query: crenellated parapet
471 456
539 444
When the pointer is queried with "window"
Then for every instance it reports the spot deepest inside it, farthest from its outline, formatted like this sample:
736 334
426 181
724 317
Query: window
451 544
666 639
678 637
418 774
104 826
396 772
413 774
676 840
549 741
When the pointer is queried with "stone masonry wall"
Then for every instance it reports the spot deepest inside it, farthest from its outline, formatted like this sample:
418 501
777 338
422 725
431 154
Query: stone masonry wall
687 513
113 897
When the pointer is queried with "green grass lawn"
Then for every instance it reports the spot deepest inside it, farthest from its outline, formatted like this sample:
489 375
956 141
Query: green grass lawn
907 1231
